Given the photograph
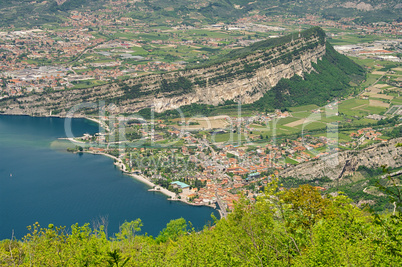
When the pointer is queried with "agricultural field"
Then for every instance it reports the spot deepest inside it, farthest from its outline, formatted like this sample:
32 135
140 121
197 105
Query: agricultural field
351 38
377 101
364 110
204 123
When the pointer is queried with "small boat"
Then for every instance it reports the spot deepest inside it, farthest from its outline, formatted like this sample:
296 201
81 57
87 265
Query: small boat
11 175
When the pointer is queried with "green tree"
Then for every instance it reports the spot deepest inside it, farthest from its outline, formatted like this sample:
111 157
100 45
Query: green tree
174 229
128 230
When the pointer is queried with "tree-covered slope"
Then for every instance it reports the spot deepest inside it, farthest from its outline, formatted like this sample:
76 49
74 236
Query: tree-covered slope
295 227
332 79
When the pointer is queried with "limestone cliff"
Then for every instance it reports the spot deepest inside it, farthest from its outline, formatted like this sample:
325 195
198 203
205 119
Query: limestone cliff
344 163
244 77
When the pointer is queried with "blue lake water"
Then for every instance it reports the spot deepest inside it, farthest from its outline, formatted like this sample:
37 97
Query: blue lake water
41 182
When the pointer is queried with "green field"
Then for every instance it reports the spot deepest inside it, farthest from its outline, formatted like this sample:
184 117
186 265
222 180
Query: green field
353 39
397 101
344 136
287 120
374 110
228 137
291 161
370 80
366 62
303 108
313 125
349 106
352 113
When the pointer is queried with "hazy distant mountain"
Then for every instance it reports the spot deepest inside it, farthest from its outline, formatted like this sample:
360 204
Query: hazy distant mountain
28 12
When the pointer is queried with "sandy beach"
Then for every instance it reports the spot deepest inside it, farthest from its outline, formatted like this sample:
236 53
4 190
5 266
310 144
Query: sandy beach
138 177
155 188
72 140
142 179
165 192
101 123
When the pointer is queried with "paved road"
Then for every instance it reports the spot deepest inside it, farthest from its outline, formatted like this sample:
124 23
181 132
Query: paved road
221 206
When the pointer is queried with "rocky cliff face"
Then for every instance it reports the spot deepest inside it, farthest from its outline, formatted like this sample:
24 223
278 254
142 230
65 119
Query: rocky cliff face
247 89
344 163
244 78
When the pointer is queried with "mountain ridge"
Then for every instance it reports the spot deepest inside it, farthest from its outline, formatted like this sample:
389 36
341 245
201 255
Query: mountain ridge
246 78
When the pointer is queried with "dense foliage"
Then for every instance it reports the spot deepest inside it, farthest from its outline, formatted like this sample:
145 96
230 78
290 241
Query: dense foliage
295 227
182 86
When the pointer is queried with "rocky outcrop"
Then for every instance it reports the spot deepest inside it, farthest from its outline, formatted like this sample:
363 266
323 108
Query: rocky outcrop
60 2
359 6
245 78
344 163
246 89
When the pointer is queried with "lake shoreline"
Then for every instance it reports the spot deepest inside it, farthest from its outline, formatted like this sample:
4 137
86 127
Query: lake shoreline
154 188
50 185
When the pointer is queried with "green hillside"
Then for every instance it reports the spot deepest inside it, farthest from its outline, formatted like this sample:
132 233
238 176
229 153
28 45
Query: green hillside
333 77
296 227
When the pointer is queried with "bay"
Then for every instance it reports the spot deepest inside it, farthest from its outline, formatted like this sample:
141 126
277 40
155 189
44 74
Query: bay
41 182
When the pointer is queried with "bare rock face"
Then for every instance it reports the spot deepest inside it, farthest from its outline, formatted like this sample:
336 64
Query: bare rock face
359 6
244 78
60 2
364 6
344 163
248 90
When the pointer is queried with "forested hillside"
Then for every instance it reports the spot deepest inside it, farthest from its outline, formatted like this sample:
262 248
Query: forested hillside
295 227
333 77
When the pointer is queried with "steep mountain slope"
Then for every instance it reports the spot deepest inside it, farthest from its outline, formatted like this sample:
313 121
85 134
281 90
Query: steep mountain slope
245 75
331 78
